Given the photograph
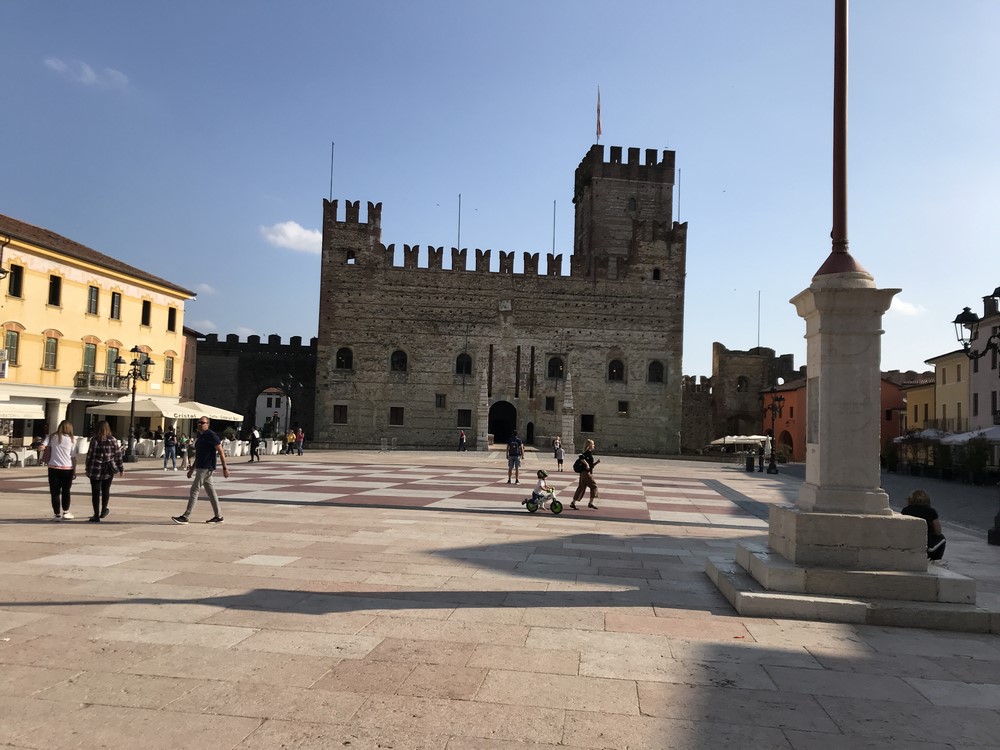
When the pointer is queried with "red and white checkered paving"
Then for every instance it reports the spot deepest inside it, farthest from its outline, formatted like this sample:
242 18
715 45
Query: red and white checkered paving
290 482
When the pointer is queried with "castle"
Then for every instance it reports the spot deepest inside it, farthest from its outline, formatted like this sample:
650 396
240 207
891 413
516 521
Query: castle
413 354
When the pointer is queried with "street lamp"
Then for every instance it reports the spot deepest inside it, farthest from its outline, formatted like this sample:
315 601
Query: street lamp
774 407
139 369
967 331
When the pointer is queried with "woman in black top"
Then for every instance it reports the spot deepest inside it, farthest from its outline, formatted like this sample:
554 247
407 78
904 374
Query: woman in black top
919 505
586 464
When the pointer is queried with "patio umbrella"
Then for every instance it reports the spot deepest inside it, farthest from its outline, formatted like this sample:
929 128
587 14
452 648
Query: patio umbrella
212 412
145 407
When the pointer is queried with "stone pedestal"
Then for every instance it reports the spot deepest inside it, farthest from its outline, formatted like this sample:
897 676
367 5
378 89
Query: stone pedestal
841 554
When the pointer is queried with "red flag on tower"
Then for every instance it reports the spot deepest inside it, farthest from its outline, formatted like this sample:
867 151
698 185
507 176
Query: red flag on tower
598 114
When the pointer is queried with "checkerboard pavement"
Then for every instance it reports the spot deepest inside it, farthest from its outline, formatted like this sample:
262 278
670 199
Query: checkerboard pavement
407 600
300 482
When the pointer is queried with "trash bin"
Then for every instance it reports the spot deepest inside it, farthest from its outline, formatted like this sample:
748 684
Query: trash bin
750 462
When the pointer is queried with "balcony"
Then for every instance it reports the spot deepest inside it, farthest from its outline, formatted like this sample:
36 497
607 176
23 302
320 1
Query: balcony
100 383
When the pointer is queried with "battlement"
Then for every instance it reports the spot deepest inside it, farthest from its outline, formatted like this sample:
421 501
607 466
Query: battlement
352 212
653 168
253 343
433 260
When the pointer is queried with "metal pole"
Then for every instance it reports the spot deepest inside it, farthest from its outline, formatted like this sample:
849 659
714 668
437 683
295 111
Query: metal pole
130 456
840 129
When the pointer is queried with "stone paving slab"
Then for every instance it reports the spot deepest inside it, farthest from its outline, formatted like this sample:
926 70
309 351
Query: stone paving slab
340 605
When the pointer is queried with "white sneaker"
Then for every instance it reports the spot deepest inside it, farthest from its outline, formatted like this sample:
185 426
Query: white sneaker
67 514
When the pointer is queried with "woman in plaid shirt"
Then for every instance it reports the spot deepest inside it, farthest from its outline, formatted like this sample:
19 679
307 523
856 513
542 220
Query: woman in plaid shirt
104 460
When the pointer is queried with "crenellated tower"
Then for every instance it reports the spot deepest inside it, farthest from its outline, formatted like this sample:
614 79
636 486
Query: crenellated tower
624 215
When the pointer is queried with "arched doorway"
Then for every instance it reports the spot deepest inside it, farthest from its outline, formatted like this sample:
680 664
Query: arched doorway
503 421
529 433
785 445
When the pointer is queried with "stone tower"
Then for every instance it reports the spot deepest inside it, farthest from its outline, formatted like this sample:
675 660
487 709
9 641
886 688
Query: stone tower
621 210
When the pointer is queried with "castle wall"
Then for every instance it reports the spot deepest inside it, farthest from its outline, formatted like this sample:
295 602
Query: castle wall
628 306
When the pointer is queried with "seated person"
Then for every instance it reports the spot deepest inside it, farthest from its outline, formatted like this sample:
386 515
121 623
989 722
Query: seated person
542 492
919 505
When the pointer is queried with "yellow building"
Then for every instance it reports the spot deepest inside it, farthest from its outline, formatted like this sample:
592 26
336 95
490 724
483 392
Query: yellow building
920 405
68 313
951 391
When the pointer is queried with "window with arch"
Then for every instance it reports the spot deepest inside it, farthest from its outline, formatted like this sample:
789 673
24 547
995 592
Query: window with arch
655 372
351 260
656 274
616 371
556 367
463 364
397 362
631 204
742 384
345 359
12 342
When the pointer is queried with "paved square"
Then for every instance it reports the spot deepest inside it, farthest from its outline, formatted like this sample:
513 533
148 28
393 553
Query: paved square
364 600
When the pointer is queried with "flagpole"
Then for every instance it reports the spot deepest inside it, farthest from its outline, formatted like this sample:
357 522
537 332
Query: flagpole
333 145
598 114
459 222
553 227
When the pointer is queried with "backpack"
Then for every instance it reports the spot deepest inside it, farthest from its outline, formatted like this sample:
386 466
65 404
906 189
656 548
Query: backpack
580 465
514 448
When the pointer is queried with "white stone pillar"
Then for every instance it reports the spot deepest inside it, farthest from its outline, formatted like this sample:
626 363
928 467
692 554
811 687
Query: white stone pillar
843 314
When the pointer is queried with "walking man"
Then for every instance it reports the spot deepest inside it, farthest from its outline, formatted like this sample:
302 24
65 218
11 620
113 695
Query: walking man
207 448
515 452
254 444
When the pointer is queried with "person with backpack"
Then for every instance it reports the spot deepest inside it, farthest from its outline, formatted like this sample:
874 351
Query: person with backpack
515 452
170 448
584 466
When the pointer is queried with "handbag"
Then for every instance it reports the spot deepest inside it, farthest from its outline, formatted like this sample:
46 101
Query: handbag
47 454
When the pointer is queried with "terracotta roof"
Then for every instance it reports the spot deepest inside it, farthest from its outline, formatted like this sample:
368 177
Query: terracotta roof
50 240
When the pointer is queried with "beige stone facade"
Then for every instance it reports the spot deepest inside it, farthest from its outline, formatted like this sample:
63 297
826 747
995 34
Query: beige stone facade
416 352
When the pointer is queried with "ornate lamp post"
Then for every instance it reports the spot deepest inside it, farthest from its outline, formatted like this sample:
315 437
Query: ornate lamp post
967 331
774 407
139 369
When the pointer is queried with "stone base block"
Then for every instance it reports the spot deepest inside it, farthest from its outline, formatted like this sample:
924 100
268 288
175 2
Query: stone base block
851 541
750 599
933 584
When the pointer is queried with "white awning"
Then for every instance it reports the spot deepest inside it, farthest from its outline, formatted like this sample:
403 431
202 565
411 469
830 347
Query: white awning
19 410
212 412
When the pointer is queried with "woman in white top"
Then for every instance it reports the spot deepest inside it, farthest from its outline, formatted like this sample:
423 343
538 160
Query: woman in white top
62 468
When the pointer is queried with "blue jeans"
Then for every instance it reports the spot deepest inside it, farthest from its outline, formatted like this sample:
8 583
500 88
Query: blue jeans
170 452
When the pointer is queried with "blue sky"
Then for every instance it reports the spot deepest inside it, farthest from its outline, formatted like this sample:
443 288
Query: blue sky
192 139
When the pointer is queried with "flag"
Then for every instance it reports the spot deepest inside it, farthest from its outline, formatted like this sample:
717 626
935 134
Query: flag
598 114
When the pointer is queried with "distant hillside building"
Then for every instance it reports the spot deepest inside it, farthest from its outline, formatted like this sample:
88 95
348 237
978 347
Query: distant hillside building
417 352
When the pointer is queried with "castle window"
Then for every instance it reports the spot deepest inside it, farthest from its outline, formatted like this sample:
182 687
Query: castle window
464 418
556 367
655 373
616 371
345 359
340 413
463 365
397 362
351 260
631 204
656 274
396 416
742 384
623 407
440 400
550 403
586 423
